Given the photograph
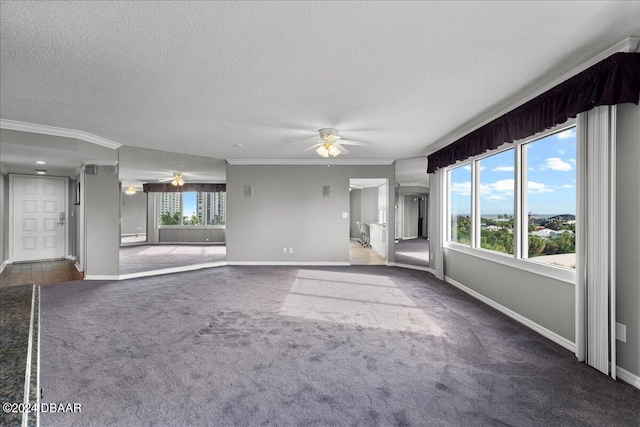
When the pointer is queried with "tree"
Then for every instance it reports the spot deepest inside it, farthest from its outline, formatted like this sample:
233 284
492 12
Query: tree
169 218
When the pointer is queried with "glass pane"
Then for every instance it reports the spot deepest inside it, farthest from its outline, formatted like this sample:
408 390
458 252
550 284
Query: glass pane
460 204
192 212
495 204
169 208
215 208
551 199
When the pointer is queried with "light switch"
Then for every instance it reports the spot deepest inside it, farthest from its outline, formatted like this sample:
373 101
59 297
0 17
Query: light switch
345 214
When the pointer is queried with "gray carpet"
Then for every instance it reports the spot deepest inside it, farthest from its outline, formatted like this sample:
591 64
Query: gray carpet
135 259
413 252
308 346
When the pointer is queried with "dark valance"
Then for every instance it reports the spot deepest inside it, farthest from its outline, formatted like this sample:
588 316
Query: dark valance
187 187
615 80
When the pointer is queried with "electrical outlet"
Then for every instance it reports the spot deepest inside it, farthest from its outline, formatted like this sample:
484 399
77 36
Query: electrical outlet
621 332
290 250
284 250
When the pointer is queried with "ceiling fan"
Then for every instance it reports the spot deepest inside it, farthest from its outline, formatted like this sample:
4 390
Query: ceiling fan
176 180
332 144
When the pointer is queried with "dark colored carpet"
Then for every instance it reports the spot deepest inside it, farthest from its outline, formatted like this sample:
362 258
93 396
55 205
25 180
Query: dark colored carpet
15 316
413 252
308 346
135 259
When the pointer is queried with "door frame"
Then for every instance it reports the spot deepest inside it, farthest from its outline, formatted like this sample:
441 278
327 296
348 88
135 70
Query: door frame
11 212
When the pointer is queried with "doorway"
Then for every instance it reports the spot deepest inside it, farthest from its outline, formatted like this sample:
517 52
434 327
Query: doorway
368 224
39 212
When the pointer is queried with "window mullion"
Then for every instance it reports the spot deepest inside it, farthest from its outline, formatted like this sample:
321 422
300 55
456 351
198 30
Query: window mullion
475 221
518 201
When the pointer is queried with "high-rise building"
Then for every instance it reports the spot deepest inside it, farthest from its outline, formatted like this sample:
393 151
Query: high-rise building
169 202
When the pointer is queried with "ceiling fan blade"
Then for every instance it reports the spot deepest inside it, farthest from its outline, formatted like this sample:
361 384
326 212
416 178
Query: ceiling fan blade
358 143
341 148
312 147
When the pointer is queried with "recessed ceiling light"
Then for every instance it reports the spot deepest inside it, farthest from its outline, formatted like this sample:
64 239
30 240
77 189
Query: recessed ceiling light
41 171
237 145
40 162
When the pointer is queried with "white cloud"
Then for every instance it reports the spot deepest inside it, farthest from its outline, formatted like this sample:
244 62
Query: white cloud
556 164
531 169
495 197
461 188
503 169
568 186
573 161
562 152
566 134
537 187
504 187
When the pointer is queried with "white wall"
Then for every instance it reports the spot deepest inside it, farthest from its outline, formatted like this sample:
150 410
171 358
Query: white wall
545 301
287 210
4 218
102 223
134 213
628 235
369 205
191 234
355 199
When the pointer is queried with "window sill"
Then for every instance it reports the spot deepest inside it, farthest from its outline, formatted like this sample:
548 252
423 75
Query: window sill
558 273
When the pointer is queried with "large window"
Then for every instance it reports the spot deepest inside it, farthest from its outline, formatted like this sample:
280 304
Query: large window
549 175
190 208
519 202
460 204
495 203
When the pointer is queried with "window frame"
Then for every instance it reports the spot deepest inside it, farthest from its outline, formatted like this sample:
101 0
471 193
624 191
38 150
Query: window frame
190 227
518 259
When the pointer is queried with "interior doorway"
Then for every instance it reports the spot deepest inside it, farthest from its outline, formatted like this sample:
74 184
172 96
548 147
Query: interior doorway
39 211
368 201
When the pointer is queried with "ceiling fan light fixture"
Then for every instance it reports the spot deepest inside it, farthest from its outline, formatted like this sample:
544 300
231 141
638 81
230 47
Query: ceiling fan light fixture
322 151
177 180
333 150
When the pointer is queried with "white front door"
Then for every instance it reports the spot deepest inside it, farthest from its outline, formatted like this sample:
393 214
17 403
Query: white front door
39 214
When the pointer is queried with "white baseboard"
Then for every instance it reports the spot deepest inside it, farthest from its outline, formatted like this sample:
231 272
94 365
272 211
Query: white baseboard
291 263
172 270
628 377
78 266
4 264
518 317
71 257
101 277
411 267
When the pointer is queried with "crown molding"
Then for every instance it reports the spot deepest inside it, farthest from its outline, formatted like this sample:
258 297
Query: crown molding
630 44
56 131
316 162
3 170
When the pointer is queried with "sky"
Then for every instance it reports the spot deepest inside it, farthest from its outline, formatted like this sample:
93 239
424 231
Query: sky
551 179
188 204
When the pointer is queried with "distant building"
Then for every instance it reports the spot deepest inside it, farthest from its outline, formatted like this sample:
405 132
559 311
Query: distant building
169 202
210 208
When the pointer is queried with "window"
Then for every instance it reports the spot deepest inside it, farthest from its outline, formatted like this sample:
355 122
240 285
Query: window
519 202
549 173
495 204
460 204
190 208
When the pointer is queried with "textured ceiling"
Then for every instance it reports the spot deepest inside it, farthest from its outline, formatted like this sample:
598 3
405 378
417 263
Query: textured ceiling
201 77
